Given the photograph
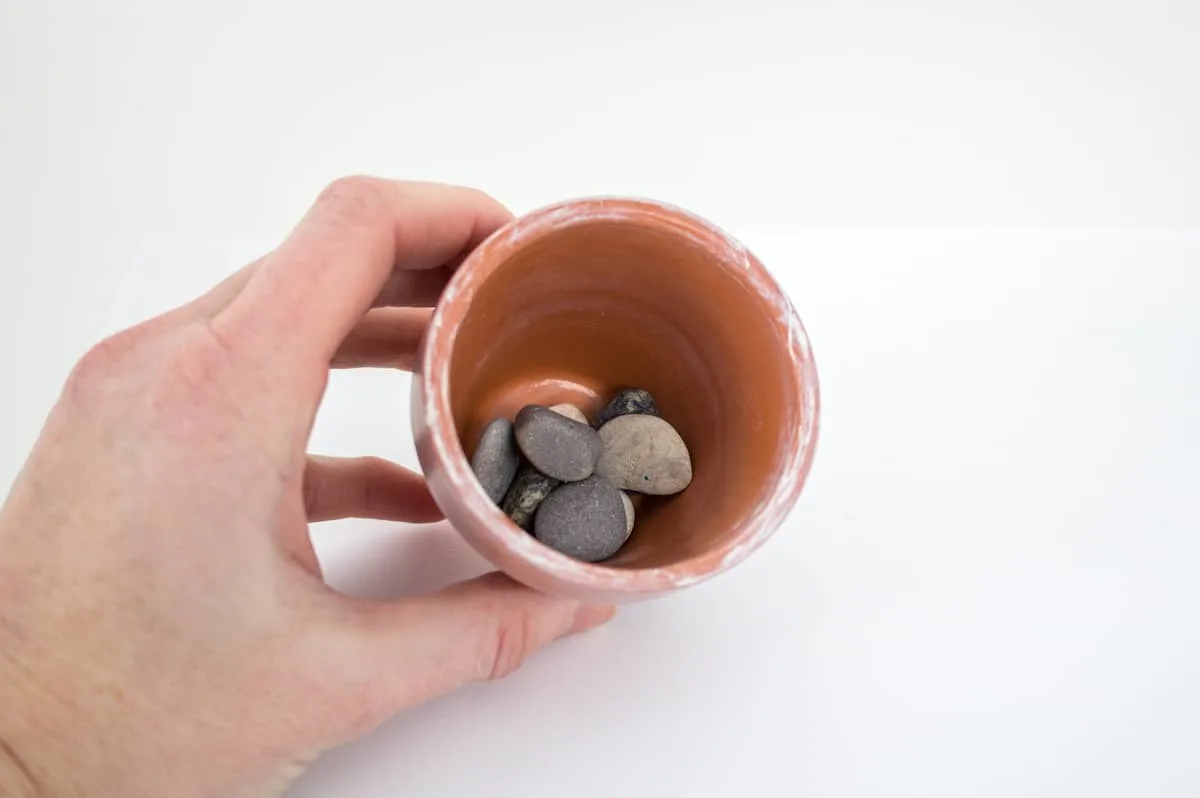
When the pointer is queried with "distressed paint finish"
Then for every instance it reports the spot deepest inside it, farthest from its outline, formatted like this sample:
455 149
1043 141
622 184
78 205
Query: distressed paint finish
486 528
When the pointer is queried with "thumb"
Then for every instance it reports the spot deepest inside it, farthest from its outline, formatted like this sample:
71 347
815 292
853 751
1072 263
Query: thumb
478 630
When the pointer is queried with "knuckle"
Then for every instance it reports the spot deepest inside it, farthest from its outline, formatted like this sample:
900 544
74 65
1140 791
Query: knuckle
507 646
193 364
371 464
371 496
376 472
355 198
483 198
191 395
313 490
101 365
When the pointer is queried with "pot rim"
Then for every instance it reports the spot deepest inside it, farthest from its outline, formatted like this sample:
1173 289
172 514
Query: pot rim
494 529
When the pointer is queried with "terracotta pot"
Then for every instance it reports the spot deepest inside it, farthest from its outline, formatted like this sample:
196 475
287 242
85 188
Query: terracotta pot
575 301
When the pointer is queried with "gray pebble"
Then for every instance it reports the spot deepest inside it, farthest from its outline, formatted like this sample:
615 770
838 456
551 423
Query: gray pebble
528 491
570 411
496 458
629 517
556 445
628 401
644 454
585 520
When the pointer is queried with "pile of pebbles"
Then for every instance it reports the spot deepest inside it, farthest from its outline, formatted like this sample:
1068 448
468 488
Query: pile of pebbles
568 483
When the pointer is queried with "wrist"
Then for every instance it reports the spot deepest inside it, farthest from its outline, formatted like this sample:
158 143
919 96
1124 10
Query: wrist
29 745
54 745
16 778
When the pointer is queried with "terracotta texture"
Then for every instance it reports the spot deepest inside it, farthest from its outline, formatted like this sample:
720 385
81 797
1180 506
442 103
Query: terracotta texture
572 303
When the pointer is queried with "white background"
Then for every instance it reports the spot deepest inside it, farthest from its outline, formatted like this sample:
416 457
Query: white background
131 119
988 588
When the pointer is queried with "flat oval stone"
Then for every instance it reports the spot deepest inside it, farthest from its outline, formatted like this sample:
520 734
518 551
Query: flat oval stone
572 412
628 401
629 516
528 491
645 454
496 458
585 520
556 445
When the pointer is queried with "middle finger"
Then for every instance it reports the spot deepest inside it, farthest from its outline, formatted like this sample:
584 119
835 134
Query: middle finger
384 338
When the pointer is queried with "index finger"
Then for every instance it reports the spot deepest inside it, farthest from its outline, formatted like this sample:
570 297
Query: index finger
308 294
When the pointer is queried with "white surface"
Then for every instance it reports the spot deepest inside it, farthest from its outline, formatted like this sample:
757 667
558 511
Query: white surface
129 119
988 588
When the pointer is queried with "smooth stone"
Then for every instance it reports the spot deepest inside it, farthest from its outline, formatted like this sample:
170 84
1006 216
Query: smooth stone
625 500
528 491
572 412
585 520
496 458
628 401
556 445
644 454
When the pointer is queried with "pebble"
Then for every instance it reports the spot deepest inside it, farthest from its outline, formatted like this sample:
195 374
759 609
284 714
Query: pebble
625 500
644 453
496 458
629 401
585 520
529 490
556 445
572 412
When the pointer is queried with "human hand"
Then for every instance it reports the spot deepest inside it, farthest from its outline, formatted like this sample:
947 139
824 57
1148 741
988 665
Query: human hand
164 629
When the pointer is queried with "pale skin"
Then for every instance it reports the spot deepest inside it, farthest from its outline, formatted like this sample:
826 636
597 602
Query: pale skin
164 628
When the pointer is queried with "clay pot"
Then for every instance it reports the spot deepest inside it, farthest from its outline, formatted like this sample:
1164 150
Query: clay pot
575 301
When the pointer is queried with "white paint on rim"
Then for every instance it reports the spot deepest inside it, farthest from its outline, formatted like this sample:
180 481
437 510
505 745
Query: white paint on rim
767 515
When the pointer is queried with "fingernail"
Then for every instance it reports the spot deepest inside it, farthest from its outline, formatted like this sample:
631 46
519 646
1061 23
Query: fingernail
589 616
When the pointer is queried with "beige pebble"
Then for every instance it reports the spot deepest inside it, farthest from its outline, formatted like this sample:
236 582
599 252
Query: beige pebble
628 514
572 412
645 454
